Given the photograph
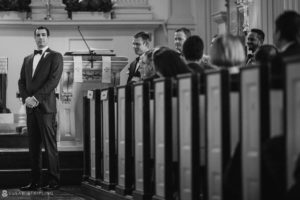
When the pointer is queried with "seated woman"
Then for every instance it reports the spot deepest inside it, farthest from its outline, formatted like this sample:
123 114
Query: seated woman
147 69
168 63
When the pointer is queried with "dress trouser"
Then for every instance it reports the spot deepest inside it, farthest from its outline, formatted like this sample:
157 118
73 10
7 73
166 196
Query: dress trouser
42 129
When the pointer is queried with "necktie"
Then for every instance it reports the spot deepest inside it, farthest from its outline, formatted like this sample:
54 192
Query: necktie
38 52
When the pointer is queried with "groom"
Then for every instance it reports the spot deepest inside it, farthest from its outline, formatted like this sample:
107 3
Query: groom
40 75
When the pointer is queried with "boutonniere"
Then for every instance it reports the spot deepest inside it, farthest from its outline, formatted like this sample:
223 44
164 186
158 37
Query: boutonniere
45 54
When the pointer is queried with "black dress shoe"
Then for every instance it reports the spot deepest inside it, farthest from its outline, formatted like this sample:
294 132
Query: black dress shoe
31 187
51 187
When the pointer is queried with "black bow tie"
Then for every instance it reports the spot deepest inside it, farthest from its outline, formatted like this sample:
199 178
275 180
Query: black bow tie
38 52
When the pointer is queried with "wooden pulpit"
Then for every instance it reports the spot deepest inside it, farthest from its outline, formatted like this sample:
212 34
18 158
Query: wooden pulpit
82 73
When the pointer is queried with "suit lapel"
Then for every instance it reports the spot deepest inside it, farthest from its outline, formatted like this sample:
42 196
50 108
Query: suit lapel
41 62
30 68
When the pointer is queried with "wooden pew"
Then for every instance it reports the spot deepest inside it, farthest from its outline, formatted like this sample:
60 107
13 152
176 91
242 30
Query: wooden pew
86 139
98 138
163 139
143 134
292 115
90 95
125 141
234 92
189 137
89 138
255 129
218 130
107 121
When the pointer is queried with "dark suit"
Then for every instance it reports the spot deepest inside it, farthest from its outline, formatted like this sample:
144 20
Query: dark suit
41 120
278 64
132 70
293 49
197 68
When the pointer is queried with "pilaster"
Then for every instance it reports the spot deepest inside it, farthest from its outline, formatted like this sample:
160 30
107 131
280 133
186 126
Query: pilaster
180 16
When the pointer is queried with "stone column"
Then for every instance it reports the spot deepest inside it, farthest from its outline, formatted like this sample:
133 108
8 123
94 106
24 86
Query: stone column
180 16
221 19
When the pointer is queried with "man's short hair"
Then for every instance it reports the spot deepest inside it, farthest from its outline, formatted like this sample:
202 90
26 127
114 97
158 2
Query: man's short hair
186 31
193 48
260 34
288 24
40 28
144 35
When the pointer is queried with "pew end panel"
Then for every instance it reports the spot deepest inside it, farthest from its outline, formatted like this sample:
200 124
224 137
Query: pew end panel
292 117
86 139
107 120
124 141
98 138
164 174
144 162
189 137
218 130
92 118
255 129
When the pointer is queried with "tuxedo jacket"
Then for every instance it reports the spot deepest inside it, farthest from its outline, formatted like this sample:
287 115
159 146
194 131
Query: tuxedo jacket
294 49
132 71
278 62
43 82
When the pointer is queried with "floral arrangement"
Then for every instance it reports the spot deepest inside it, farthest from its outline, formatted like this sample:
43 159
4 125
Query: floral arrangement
88 5
15 5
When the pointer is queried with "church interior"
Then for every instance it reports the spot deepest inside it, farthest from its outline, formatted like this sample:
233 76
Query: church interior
227 131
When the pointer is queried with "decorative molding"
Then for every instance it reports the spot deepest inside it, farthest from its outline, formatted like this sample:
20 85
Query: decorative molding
114 24
90 15
131 3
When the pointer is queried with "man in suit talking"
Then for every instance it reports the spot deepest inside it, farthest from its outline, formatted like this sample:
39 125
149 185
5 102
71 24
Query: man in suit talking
140 44
40 75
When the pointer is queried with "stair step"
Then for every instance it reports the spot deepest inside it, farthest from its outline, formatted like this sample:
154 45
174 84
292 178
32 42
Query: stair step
15 167
20 159
20 177
13 140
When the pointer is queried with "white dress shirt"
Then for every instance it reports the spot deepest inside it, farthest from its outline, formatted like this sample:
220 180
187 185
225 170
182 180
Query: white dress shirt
37 58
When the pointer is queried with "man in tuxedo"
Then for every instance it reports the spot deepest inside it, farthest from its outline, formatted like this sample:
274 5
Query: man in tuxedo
180 36
140 43
255 39
40 75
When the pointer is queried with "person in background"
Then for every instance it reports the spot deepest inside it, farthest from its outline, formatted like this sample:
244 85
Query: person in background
40 75
265 54
141 42
168 63
287 33
255 39
180 36
193 51
227 51
287 40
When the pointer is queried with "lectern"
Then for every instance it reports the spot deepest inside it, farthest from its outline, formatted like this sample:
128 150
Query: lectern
71 91
78 87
